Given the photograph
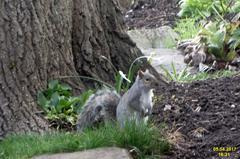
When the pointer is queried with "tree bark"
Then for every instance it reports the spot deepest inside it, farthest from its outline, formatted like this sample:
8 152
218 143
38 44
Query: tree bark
126 4
99 30
41 40
35 46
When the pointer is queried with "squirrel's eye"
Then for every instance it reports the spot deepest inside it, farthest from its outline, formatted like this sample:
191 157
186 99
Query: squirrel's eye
147 79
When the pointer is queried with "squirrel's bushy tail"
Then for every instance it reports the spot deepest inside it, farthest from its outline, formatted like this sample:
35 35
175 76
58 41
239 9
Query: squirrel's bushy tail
100 107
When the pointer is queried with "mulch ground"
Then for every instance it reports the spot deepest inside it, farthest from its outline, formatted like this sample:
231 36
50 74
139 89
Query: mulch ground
204 118
152 14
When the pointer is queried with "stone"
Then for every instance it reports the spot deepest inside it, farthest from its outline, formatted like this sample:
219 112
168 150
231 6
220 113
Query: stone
156 40
99 153
162 37
165 57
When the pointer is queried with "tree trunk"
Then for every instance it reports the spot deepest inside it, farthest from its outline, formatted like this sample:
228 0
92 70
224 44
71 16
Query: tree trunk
44 39
126 4
99 30
35 45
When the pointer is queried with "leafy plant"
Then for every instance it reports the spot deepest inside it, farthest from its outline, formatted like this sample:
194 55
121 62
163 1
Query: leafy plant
174 75
205 75
60 106
185 76
187 28
236 7
202 9
119 77
194 8
221 40
234 40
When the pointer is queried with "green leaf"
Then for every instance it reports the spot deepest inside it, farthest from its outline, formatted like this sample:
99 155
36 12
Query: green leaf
234 41
130 76
236 7
84 96
211 27
65 87
54 99
48 93
41 99
204 8
64 102
215 50
217 39
167 73
53 84
205 13
118 82
70 119
68 104
74 100
174 71
64 93
183 73
231 55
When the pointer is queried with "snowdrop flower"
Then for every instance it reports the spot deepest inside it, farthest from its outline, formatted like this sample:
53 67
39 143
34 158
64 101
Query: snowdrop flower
150 57
124 76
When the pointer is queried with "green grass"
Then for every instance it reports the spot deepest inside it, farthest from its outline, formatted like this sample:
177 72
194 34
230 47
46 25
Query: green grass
147 141
185 76
204 76
187 28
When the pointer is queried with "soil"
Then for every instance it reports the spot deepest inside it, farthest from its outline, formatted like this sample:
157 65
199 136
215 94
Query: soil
152 14
203 118
204 115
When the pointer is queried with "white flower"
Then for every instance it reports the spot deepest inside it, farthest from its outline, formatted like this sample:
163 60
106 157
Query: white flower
124 76
150 57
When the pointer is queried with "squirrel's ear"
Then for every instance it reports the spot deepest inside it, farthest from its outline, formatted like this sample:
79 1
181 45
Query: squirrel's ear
140 73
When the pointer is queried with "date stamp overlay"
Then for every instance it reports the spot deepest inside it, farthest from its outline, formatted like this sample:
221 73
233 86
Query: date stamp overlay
228 152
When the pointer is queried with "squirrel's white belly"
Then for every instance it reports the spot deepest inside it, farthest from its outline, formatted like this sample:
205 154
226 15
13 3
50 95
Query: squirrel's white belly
147 100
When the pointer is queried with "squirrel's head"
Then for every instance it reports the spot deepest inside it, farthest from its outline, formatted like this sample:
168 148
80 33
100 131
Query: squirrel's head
148 80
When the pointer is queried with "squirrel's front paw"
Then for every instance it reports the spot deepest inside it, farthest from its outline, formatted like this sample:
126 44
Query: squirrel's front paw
147 112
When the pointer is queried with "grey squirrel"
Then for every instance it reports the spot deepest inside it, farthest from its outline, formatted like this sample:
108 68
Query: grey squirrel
99 107
136 103
107 105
